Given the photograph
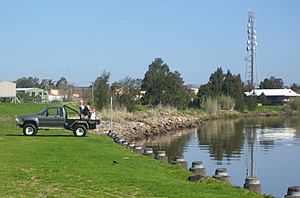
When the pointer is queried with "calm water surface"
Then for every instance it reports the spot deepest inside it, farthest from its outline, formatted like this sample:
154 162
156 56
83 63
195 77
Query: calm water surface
268 146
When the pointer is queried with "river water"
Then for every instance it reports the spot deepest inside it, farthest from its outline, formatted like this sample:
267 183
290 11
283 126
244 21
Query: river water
269 148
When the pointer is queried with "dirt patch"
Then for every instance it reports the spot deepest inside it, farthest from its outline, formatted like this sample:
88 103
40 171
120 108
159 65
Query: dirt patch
6 118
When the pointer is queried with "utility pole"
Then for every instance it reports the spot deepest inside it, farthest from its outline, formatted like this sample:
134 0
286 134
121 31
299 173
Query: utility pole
92 91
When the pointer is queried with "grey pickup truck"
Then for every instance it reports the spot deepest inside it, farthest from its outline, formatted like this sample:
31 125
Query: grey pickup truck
56 117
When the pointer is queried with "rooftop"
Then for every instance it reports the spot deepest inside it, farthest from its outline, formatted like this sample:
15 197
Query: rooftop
273 92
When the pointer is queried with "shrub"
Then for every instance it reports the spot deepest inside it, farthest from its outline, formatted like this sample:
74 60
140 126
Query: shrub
295 104
140 107
226 103
211 106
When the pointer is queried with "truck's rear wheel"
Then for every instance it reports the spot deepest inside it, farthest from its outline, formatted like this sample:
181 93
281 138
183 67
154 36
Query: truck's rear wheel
80 131
29 130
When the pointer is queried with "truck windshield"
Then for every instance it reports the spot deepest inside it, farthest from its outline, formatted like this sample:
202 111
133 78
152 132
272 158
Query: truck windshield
43 111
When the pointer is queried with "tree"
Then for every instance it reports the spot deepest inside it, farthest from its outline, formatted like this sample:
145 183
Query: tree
216 80
272 83
162 86
238 93
176 94
62 83
295 87
47 84
126 92
154 82
204 92
223 85
101 90
30 82
214 87
251 103
228 84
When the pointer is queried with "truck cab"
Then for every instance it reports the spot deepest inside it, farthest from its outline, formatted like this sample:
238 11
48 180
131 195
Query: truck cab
52 117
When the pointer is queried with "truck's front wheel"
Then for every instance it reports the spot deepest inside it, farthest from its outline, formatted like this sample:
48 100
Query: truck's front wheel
29 130
79 131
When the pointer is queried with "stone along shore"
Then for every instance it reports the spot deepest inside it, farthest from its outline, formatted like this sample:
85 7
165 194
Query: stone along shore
143 128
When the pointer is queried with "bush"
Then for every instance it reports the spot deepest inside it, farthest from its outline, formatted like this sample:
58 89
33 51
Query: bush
211 106
140 107
226 103
251 103
295 104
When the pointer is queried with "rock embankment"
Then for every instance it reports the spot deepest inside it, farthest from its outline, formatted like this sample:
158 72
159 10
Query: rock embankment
142 128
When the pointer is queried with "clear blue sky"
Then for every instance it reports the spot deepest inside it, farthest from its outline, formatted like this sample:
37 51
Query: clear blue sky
80 39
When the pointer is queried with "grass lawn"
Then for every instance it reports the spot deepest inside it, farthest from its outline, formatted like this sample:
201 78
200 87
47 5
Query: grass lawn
269 108
56 164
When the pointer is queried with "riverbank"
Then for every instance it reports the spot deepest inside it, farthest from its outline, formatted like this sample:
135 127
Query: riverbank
56 164
142 126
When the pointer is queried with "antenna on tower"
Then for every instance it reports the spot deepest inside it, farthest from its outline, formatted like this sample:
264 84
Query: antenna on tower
251 59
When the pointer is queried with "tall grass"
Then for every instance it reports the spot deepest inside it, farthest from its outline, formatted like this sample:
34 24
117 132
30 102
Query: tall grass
211 106
121 115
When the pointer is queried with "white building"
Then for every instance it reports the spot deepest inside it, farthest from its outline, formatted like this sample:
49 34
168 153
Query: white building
36 93
8 91
274 96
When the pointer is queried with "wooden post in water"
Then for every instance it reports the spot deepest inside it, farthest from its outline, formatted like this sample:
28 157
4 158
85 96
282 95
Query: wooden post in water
120 140
125 143
181 161
138 149
161 156
222 175
148 152
198 168
252 184
130 145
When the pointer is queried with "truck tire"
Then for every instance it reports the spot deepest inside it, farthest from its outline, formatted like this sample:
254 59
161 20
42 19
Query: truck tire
80 131
29 130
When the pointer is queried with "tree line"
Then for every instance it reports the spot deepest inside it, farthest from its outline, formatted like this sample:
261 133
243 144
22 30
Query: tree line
161 86
47 84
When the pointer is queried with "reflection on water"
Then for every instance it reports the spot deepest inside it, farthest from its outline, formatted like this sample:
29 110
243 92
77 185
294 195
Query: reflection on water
271 146
223 139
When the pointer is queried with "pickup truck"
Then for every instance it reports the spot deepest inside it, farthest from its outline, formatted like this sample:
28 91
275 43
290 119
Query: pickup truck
56 117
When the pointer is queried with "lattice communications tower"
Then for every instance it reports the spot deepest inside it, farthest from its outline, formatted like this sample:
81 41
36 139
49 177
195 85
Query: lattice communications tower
251 60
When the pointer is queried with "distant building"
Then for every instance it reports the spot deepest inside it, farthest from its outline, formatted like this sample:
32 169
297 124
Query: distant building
70 94
84 93
58 95
193 90
35 94
8 91
273 96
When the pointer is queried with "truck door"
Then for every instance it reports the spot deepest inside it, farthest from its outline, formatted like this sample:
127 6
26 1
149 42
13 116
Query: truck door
49 117
60 122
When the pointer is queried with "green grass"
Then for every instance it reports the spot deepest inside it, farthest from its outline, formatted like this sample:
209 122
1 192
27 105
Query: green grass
56 164
269 108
